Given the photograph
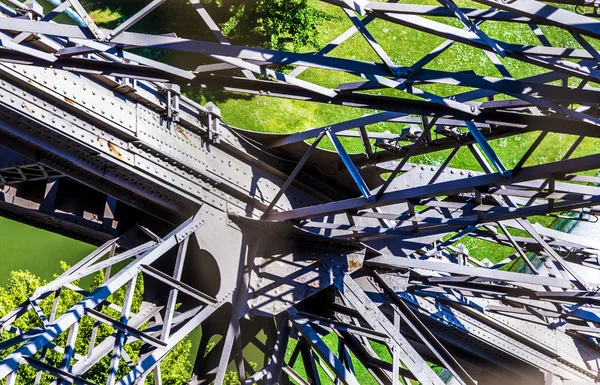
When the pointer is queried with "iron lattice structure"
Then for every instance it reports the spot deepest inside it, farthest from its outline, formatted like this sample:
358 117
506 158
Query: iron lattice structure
286 242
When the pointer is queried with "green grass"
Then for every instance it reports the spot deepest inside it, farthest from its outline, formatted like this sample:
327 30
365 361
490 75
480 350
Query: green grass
406 46
106 16
331 340
38 251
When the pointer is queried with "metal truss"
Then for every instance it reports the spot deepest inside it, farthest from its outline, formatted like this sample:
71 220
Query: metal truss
158 339
302 245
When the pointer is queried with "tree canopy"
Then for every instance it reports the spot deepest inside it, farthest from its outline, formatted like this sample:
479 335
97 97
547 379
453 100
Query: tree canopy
278 24
176 368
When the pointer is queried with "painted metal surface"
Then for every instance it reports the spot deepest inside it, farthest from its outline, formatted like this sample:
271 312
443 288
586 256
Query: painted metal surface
270 236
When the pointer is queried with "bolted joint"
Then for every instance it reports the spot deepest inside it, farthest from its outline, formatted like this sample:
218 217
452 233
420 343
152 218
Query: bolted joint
166 88
213 110
33 9
172 93
213 122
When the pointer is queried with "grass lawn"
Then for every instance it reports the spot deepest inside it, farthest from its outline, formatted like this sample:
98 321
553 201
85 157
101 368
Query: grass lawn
405 47
38 251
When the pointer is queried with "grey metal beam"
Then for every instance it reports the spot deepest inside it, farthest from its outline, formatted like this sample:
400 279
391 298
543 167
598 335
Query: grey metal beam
550 14
294 173
446 188
377 320
130 22
390 261
438 349
317 343
180 286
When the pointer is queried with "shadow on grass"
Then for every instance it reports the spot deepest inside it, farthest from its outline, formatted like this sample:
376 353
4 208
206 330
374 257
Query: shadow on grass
204 95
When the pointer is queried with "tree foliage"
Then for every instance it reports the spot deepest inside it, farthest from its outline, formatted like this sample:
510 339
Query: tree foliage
176 368
278 24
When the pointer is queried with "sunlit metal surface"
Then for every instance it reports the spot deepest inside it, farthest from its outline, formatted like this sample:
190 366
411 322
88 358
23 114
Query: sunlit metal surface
270 236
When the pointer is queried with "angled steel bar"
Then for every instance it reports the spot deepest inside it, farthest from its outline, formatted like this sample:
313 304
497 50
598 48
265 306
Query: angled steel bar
279 351
314 133
172 301
539 34
444 165
586 45
530 151
294 174
321 348
354 173
20 5
364 136
356 5
438 349
344 327
125 328
445 244
120 340
239 355
488 150
310 366
518 248
180 286
64 375
7 41
369 311
464 19
107 272
408 263
214 28
277 75
405 160
69 348
372 42
91 25
130 22
379 369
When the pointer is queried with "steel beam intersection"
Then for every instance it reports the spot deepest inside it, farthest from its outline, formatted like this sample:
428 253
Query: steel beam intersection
126 326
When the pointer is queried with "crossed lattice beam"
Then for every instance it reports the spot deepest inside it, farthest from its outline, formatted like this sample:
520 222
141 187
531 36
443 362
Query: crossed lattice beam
157 340
554 295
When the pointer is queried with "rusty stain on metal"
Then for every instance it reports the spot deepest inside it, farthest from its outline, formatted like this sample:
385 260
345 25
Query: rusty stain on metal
114 150
179 130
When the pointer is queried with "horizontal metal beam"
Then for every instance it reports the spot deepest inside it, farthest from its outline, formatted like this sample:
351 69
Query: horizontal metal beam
442 188
390 261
